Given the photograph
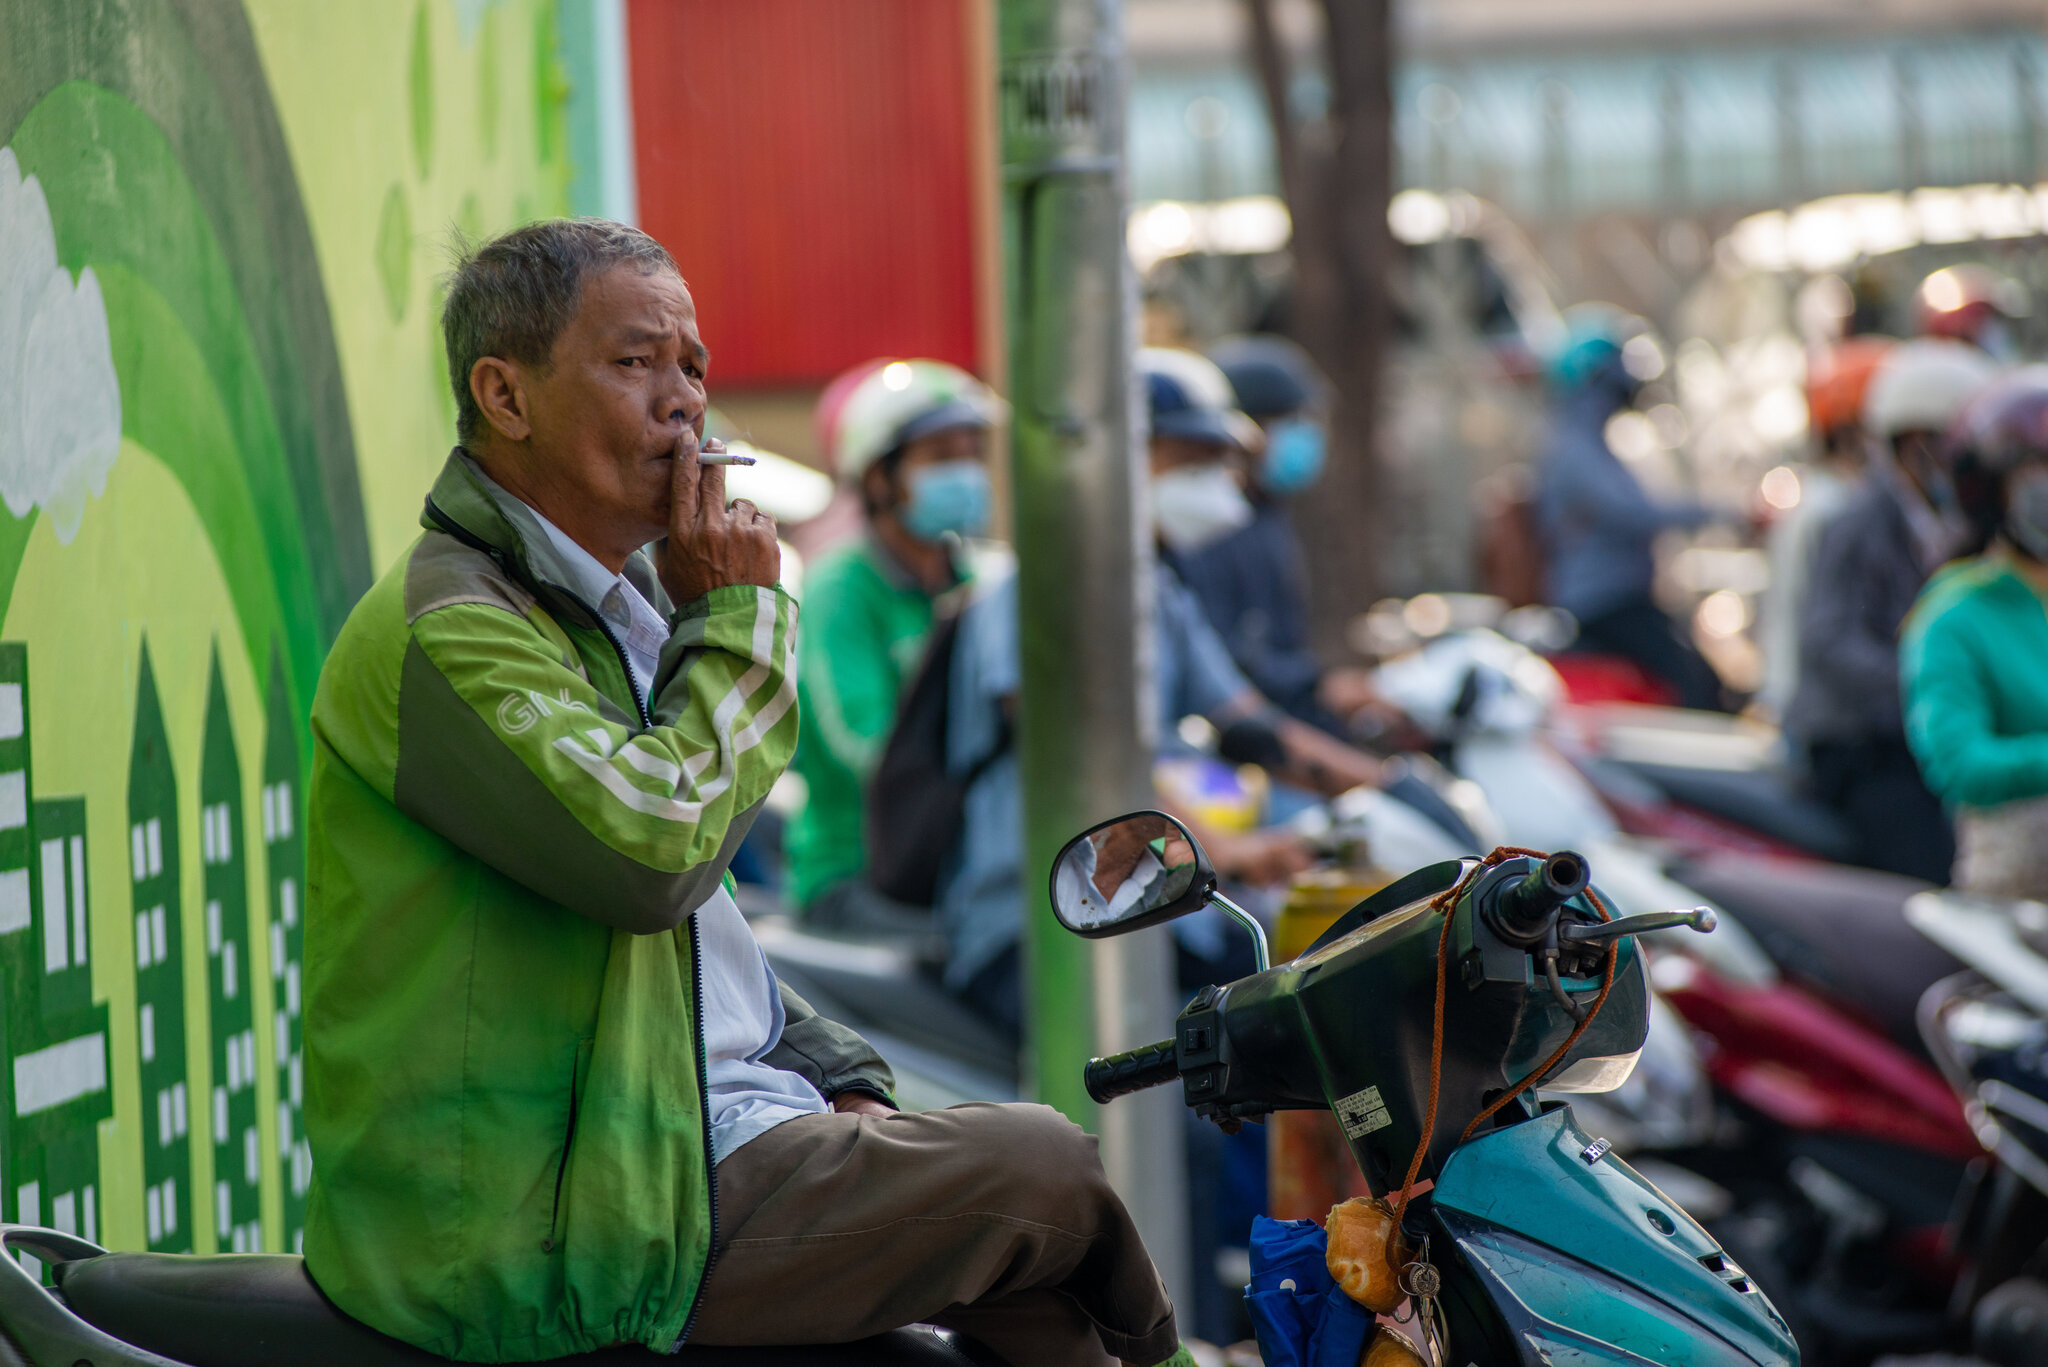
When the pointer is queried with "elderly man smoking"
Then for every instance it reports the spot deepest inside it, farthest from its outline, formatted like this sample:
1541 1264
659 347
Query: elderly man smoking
556 1098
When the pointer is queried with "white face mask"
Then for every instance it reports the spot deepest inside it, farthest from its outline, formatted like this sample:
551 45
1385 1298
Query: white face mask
1196 505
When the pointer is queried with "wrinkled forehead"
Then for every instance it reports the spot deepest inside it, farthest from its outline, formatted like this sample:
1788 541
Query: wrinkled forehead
631 306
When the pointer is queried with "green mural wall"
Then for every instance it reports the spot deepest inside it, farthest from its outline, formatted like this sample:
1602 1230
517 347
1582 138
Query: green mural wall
221 401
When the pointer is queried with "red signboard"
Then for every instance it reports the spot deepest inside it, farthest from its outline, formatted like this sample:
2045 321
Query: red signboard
811 165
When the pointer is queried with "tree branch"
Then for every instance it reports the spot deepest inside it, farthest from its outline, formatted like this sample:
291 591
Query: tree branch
1362 114
1269 60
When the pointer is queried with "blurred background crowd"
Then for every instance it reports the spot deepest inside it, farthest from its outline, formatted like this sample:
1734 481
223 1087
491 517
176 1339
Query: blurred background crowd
1615 425
1679 410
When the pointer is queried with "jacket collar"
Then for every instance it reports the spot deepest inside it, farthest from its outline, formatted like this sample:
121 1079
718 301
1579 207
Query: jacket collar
475 509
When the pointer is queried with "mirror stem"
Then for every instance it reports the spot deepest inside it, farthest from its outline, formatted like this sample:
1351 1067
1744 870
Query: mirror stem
1262 954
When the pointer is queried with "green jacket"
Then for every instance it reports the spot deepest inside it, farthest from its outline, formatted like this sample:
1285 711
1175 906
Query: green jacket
1974 672
504 1077
865 642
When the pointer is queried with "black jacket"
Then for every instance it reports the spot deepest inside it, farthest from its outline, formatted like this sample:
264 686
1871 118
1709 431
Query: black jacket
1867 572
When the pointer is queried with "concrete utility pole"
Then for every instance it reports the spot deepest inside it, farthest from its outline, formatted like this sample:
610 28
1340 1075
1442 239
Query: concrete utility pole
1085 727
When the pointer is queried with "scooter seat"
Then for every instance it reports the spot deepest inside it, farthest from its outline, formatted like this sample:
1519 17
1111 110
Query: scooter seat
261 1309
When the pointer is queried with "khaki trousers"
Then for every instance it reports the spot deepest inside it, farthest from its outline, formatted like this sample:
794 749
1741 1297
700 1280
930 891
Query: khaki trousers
995 1221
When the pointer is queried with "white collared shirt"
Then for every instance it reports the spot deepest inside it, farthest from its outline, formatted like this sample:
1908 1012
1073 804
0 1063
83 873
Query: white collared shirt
741 1009
625 609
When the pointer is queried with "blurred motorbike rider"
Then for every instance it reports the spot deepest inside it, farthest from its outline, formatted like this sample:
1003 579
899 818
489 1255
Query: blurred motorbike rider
1836 383
1975 659
1870 564
913 441
1252 581
1598 525
981 896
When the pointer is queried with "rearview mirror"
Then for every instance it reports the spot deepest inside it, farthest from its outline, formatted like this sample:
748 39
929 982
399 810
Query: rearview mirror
1126 874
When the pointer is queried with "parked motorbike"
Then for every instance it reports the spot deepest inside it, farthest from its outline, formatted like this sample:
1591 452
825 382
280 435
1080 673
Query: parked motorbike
1425 1018
1699 780
262 1309
1988 1028
943 1053
1839 1150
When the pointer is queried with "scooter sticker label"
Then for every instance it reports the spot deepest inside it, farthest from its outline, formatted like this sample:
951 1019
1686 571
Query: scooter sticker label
1363 1112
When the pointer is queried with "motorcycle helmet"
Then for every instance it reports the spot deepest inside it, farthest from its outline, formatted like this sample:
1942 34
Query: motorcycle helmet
1271 377
2003 430
896 402
1188 396
1837 382
1604 348
831 408
1922 385
1277 386
1970 303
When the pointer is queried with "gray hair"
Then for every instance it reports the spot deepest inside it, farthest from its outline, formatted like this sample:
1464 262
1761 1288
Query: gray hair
512 296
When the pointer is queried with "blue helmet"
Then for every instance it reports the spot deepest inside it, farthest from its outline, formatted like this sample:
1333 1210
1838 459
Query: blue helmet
1271 376
1591 352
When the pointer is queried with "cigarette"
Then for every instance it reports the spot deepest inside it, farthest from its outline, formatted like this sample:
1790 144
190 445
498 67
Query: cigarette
713 452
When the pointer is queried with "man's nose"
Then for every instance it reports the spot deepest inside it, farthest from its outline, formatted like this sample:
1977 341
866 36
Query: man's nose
681 398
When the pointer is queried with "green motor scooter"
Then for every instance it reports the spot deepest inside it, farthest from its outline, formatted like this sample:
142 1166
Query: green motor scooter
1425 1018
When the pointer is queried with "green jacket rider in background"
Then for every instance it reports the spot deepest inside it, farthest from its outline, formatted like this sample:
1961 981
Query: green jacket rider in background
912 437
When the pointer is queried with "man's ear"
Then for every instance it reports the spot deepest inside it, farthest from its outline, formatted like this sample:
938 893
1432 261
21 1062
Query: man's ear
499 388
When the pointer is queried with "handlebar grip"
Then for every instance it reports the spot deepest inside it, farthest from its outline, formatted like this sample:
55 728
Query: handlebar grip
1132 1071
1523 910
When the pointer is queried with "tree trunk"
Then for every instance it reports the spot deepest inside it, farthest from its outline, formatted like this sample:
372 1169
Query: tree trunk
1337 177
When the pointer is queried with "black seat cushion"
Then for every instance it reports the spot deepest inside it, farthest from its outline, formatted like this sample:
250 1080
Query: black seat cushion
261 1309
1762 800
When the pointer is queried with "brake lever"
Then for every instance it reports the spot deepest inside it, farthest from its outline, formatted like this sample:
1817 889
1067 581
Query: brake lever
1701 919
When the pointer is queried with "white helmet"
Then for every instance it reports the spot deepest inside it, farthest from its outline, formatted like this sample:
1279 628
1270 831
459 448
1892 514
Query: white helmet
1187 395
902 401
1923 385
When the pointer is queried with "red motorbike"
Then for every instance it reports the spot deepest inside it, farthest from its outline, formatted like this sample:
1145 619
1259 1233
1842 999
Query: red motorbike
1843 1154
1849 1149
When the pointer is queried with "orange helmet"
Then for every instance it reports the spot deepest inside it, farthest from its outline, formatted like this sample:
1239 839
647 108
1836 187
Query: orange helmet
1837 380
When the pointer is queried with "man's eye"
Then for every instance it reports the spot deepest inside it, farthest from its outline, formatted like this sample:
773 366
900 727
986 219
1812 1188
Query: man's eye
640 361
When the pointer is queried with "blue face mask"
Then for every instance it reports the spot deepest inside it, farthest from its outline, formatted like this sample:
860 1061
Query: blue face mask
949 497
1295 450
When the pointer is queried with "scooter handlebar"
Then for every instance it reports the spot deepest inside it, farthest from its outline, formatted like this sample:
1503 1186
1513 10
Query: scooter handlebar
1134 1070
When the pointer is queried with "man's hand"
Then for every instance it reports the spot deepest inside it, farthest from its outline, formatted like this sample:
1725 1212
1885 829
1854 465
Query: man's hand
710 546
1326 764
860 1103
1348 691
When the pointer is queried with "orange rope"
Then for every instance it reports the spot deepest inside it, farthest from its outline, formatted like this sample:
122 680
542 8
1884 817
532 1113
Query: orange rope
1443 904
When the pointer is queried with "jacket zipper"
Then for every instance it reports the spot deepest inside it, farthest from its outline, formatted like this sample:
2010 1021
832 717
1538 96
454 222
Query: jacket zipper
696 982
639 703
704 1113
697 1029
471 539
